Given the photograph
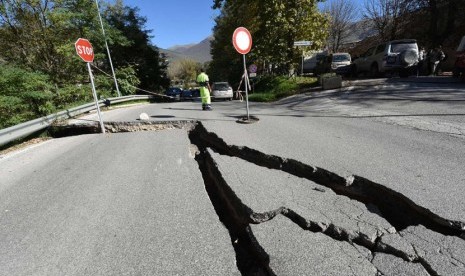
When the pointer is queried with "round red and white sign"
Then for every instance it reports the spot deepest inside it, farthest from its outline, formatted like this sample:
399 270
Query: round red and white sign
84 49
242 40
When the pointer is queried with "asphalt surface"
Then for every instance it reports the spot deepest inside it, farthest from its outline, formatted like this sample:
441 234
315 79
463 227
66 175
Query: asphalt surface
120 204
135 203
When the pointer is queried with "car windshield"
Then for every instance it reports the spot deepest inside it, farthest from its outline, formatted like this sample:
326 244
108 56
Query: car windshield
400 47
341 58
221 86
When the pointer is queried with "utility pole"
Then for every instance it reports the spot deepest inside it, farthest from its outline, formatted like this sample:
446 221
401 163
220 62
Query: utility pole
108 49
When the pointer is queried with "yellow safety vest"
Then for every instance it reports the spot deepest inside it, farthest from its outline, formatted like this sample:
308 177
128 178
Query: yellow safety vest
202 79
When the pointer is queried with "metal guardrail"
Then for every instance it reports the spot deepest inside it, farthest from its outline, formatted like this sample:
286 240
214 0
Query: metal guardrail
16 132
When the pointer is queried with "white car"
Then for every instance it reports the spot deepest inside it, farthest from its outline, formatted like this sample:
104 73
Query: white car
222 90
394 56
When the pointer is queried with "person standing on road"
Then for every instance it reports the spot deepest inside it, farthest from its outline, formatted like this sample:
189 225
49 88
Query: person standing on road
435 56
205 89
421 61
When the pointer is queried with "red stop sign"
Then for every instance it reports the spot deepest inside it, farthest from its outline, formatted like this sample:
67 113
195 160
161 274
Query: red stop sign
84 49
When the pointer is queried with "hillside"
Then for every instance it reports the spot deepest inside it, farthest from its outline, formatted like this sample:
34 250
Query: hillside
199 52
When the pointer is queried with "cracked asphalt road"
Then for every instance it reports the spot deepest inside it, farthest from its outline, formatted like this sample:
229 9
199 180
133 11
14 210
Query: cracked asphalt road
139 203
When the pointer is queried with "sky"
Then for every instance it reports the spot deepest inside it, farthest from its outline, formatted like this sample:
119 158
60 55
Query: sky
179 22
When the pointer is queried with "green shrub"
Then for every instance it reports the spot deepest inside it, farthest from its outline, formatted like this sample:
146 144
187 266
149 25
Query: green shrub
72 95
272 88
127 82
24 95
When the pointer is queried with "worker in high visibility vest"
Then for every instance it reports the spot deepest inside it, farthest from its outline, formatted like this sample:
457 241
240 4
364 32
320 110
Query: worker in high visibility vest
205 89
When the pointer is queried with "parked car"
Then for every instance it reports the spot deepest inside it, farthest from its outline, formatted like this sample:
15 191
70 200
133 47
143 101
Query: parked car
310 62
459 65
222 90
195 93
186 94
190 94
397 56
173 92
339 63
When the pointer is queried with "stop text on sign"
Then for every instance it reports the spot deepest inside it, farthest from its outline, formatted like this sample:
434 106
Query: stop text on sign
84 49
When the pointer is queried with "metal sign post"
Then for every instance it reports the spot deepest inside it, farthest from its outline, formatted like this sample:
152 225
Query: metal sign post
246 82
94 92
242 41
303 43
86 52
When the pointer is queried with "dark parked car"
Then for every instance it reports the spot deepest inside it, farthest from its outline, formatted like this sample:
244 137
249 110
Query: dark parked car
173 92
190 94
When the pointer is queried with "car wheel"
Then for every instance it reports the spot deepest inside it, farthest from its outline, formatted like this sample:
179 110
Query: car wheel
374 70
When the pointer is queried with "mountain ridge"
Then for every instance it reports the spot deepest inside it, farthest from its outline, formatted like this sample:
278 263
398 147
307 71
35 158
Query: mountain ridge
200 52
197 51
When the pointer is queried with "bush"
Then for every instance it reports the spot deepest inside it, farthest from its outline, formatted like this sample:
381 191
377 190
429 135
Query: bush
272 88
24 95
72 95
127 83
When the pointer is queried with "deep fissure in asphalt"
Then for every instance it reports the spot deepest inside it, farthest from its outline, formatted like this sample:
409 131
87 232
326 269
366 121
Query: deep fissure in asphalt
251 258
396 208
199 136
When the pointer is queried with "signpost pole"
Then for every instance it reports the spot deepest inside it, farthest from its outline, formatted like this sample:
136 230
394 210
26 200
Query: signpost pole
95 97
242 42
303 43
302 71
246 82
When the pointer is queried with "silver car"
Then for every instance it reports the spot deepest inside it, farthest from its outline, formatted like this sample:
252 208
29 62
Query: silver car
340 63
222 90
399 56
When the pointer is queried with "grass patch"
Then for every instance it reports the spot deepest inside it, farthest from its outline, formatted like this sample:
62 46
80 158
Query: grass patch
272 88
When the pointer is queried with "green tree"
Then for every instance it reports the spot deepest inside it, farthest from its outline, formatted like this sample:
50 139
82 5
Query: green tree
145 58
226 63
40 34
184 70
24 95
282 23
41 71
274 24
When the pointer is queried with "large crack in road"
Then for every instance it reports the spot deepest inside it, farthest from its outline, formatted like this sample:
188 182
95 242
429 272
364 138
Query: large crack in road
402 242
400 211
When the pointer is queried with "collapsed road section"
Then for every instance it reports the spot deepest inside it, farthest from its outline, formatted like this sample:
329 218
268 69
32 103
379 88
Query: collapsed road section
275 235
411 225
